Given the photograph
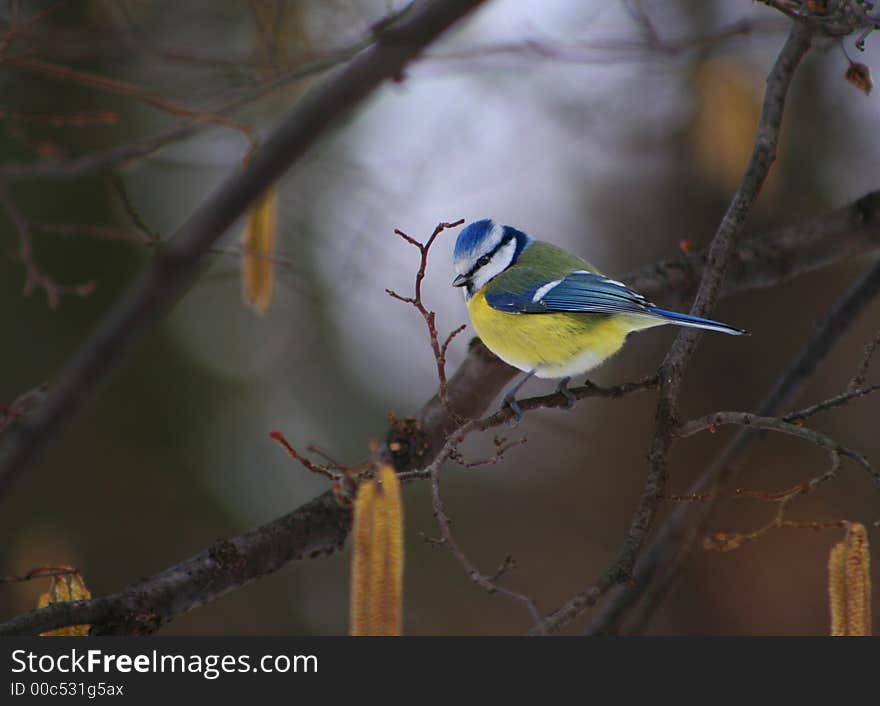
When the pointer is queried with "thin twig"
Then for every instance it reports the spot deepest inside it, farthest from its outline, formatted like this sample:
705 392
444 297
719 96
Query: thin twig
21 406
724 541
331 473
430 317
558 399
489 583
831 403
39 573
244 98
861 374
756 421
35 277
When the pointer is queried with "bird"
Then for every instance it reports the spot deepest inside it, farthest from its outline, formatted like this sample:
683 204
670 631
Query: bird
548 312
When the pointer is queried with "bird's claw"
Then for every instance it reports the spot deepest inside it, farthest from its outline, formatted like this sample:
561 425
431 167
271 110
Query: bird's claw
562 389
510 401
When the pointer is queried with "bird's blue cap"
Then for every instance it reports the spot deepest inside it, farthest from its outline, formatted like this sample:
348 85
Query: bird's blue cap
471 236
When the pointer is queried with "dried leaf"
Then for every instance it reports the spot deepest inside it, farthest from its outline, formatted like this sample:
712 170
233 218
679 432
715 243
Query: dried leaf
66 587
859 76
258 249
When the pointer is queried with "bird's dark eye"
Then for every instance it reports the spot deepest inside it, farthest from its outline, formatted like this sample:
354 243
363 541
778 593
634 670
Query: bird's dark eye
483 261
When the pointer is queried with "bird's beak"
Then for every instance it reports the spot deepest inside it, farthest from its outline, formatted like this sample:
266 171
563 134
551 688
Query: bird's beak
460 281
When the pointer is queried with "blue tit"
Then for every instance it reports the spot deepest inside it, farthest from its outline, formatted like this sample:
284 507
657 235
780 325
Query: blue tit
546 311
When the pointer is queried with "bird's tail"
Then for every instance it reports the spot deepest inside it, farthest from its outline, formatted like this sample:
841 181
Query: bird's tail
695 322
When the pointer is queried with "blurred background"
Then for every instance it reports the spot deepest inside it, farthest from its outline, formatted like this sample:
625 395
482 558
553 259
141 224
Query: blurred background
614 129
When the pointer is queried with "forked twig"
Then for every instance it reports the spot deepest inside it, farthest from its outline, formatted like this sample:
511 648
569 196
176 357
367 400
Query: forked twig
439 349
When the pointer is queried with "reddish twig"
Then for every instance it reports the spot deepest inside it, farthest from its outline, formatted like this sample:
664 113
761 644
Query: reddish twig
35 276
325 471
439 349
21 406
17 27
725 541
40 572
861 375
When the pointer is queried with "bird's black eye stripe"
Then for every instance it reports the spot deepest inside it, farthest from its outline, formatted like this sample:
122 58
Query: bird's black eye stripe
487 258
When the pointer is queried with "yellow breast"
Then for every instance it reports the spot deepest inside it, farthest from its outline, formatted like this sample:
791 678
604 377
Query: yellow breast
553 345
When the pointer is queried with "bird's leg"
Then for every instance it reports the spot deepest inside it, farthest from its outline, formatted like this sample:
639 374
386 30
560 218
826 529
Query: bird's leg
510 398
562 389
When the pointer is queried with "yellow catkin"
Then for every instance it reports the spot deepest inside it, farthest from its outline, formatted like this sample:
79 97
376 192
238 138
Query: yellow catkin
388 588
362 533
858 581
377 557
280 44
258 248
66 587
837 588
849 583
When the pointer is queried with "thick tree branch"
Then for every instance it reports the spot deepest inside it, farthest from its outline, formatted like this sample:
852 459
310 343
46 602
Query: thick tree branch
318 527
176 267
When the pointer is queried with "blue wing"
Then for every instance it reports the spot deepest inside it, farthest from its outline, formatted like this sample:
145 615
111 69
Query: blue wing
585 292
580 291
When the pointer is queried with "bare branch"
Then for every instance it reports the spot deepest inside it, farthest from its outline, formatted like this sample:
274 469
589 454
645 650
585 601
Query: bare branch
35 277
125 154
318 527
175 268
756 421
430 317
831 403
772 258
488 583
659 567
672 370
861 375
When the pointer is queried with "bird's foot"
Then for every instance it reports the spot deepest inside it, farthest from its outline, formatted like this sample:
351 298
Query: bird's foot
562 389
510 401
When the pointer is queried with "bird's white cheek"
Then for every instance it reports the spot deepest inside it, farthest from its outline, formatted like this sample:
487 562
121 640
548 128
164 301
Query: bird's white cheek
500 261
